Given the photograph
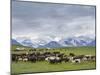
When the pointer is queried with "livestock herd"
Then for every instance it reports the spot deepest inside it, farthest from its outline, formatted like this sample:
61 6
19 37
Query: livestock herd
52 57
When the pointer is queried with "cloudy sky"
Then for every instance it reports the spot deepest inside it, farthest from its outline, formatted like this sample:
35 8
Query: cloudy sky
51 21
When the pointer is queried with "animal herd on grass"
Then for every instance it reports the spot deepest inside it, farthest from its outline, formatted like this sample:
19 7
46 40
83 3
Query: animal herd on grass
52 57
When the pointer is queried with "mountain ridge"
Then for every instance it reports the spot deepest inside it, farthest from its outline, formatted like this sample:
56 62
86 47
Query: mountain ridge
67 42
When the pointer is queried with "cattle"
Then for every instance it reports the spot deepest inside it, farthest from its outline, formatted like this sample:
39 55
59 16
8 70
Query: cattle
52 57
53 60
17 57
93 58
32 57
76 61
65 59
40 58
78 57
56 52
71 54
90 57
20 58
25 59
60 55
14 57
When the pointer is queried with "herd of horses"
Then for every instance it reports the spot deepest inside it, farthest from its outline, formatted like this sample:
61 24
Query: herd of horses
52 57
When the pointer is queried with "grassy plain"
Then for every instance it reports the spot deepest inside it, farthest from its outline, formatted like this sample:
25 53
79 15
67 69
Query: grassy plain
28 67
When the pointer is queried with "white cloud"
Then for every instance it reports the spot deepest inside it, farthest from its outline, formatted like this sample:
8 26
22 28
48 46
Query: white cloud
52 22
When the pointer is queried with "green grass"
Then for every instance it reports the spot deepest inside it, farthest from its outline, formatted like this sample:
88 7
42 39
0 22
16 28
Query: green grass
16 46
27 67
75 50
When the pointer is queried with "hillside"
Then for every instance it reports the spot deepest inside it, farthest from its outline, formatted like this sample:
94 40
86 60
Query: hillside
13 47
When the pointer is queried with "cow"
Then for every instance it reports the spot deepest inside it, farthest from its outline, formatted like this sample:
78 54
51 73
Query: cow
71 54
41 58
76 61
14 57
53 59
65 59
90 58
32 58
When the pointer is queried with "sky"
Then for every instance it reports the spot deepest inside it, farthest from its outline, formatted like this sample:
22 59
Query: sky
51 21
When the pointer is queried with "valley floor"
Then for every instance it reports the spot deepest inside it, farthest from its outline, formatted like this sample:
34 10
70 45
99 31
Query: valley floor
43 66
28 67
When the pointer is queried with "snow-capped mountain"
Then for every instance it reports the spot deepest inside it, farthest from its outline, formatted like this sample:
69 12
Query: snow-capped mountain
14 42
52 44
76 41
92 43
65 42
40 42
29 43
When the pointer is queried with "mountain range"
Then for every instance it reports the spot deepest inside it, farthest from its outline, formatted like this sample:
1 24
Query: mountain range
66 42
14 42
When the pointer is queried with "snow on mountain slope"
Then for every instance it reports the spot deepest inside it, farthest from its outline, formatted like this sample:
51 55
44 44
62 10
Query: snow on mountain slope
65 42
15 42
